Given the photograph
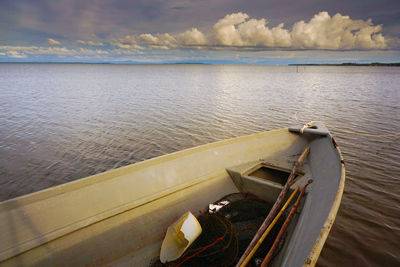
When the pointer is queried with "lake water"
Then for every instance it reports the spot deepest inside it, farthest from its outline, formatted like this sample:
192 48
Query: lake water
62 122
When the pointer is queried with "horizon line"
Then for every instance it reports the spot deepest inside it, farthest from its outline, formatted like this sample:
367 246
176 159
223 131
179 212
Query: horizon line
372 63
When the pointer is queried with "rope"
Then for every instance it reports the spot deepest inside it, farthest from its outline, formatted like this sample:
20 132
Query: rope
198 252
264 235
309 124
362 134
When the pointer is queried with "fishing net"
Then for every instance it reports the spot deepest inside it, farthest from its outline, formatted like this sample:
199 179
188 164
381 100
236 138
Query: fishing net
228 228
216 246
247 212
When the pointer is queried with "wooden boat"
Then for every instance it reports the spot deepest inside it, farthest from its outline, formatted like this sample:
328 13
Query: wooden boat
120 217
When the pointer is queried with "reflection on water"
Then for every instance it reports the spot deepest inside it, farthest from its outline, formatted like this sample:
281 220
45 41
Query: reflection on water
59 123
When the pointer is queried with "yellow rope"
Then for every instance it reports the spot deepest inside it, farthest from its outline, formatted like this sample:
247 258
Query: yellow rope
362 134
306 125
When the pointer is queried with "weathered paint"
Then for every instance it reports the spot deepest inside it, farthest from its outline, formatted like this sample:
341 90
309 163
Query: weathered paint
319 244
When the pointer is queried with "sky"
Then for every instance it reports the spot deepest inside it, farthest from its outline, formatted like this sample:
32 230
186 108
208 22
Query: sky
276 32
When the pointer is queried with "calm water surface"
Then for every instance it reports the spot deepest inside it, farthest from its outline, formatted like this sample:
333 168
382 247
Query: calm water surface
59 123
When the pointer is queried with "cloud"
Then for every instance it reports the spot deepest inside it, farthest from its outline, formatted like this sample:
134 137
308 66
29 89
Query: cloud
25 51
127 42
15 54
90 43
159 41
189 39
321 32
89 52
239 31
337 32
193 37
226 32
236 31
51 41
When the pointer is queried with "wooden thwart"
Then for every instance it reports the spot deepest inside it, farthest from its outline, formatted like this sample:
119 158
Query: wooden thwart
274 209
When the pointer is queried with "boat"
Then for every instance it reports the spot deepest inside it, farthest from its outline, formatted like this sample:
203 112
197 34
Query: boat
119 217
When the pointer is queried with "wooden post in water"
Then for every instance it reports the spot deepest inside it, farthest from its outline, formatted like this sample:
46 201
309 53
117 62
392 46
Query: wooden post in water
275 208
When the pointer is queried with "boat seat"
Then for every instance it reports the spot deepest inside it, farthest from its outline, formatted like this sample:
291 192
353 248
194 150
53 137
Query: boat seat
263 179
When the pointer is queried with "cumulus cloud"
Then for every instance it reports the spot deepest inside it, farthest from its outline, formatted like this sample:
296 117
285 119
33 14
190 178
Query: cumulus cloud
90 43
321 32
226 32
337 32
127 42
15 54
24 51
193 37
89 52
51 41
64 52
159 41
239 31
189 39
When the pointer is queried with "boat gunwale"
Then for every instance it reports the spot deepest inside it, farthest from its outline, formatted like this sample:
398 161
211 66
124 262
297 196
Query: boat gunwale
86 222
312 258
110 174
68 187
46 194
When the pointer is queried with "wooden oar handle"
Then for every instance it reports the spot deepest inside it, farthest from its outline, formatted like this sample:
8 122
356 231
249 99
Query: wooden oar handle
275 207
285 225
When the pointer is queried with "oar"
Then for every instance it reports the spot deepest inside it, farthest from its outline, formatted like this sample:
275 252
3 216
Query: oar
268 258
262 238
275 208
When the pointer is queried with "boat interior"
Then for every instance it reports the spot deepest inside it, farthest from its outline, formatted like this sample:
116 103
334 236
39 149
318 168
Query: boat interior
120 217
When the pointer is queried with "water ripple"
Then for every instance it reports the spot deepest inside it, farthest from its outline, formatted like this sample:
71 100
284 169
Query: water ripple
59 123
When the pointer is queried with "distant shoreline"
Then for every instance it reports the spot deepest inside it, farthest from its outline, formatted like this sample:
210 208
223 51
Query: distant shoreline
373 64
